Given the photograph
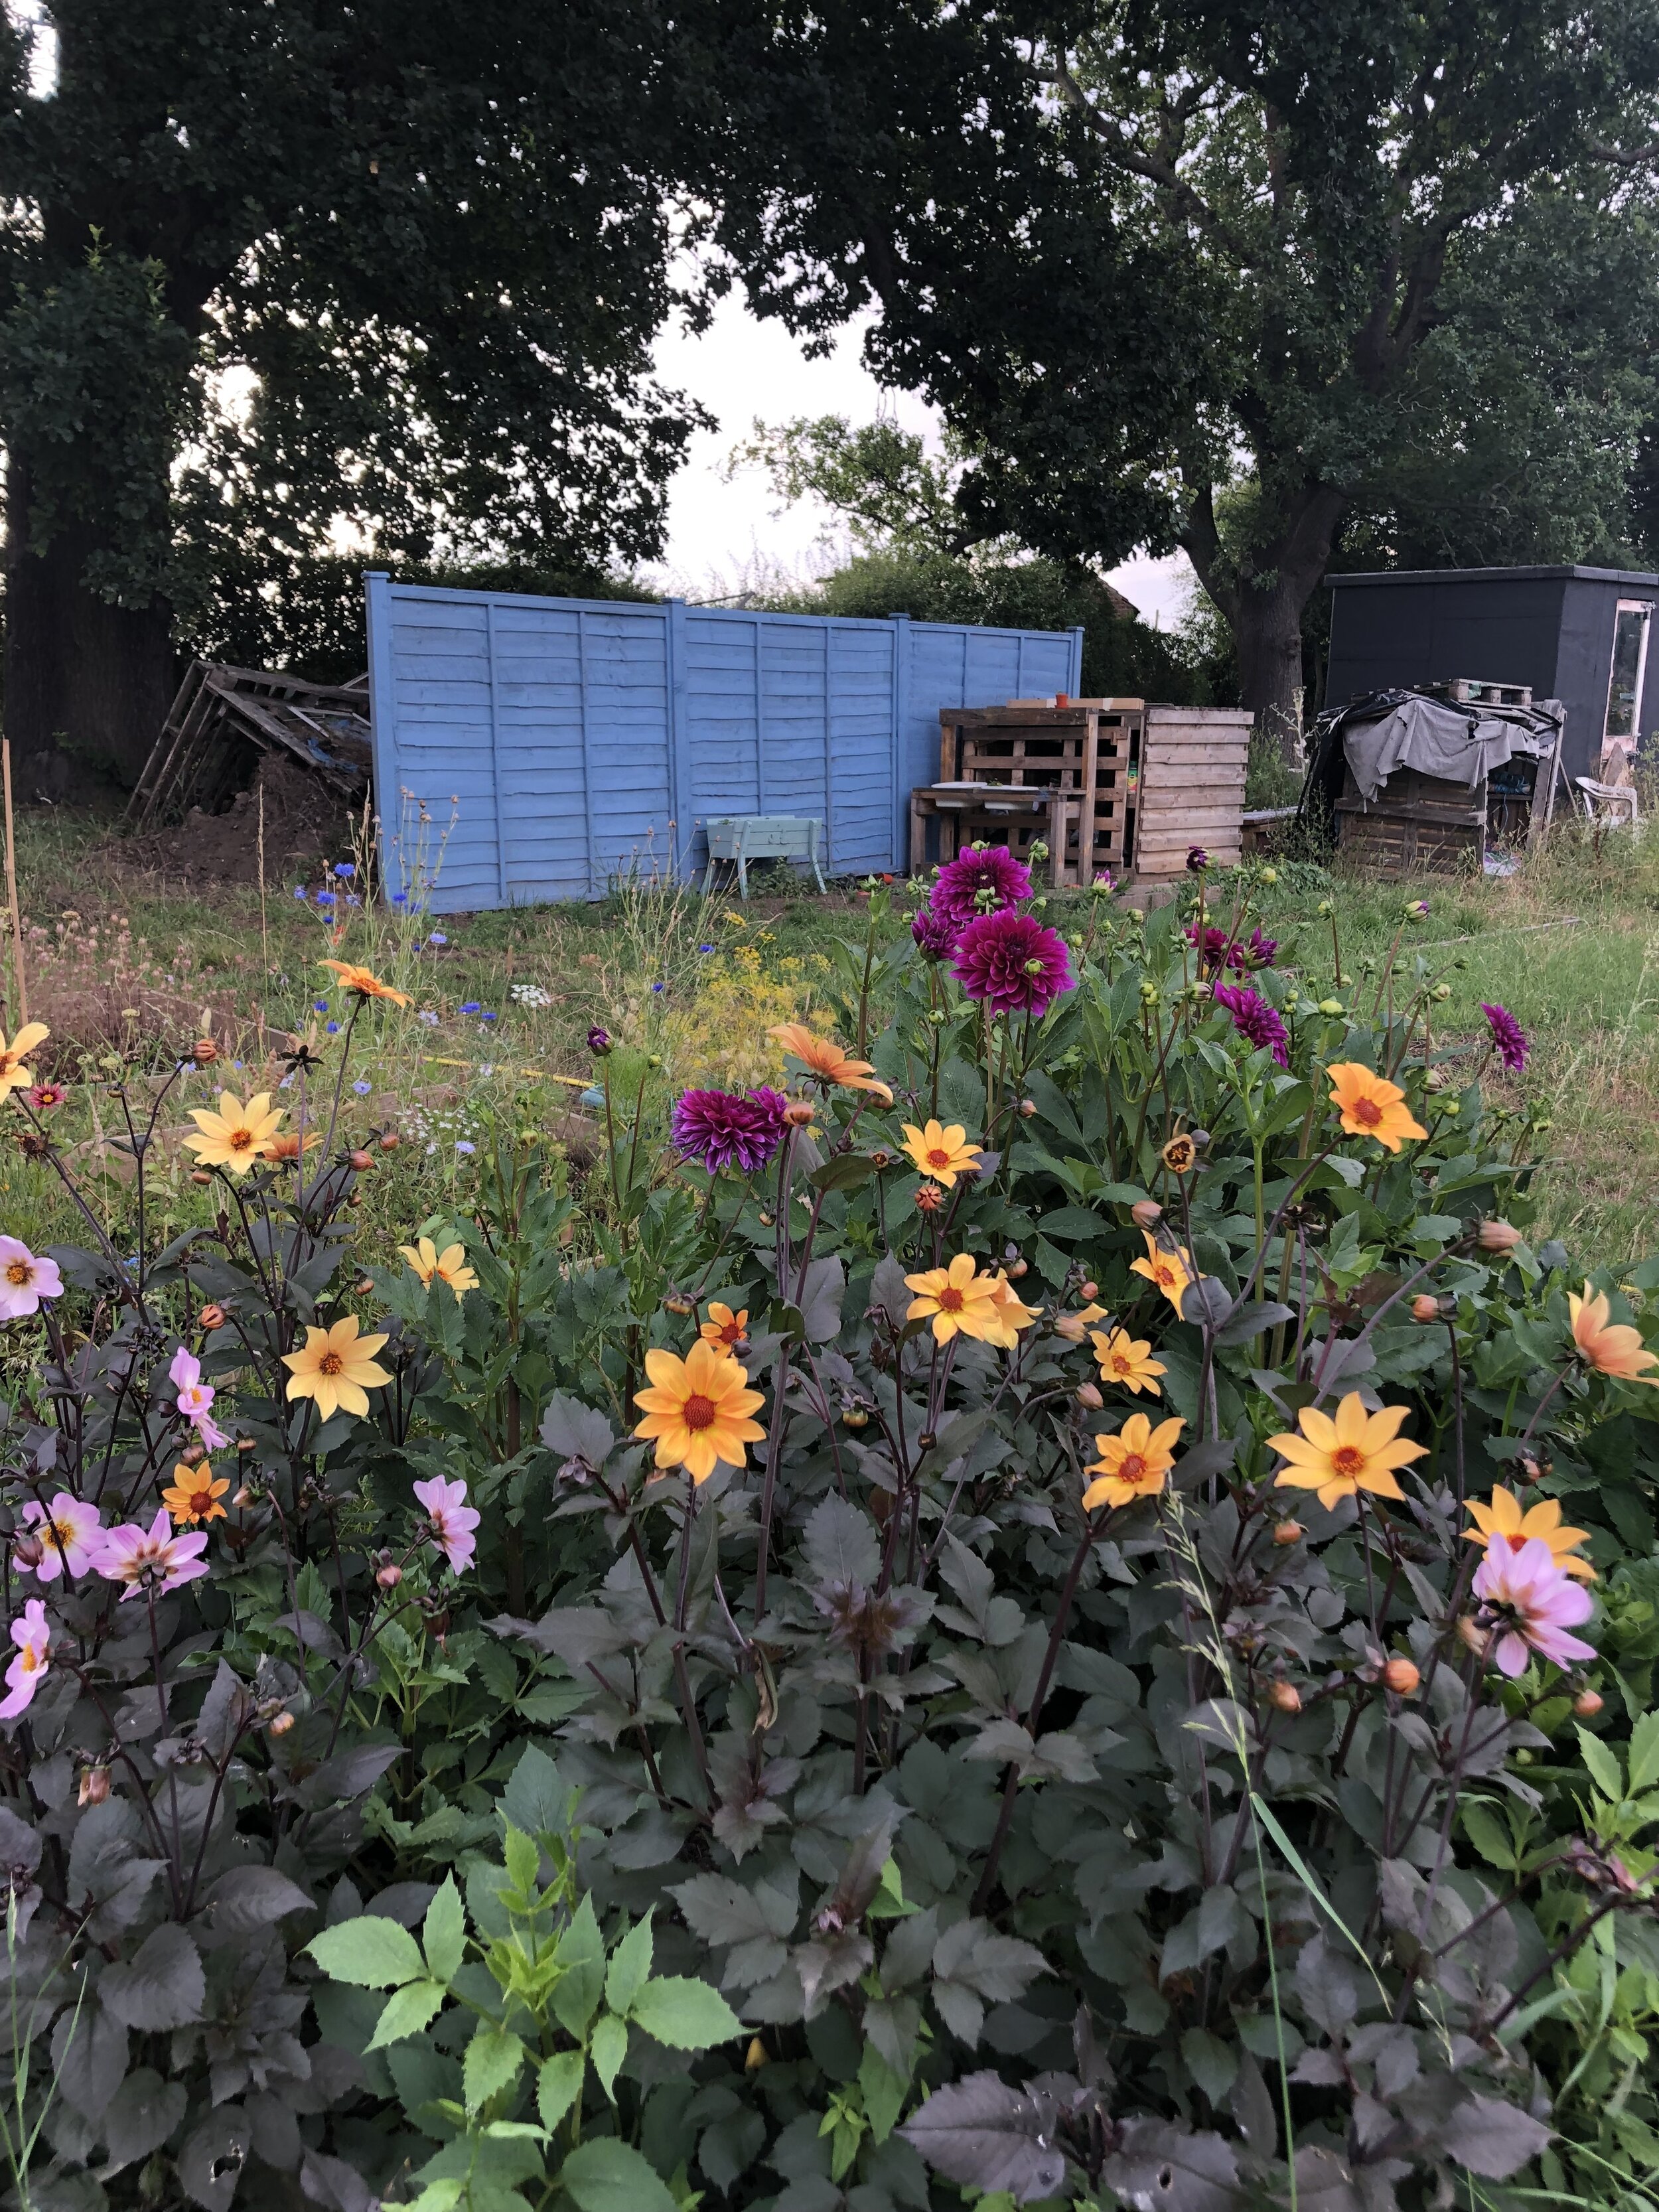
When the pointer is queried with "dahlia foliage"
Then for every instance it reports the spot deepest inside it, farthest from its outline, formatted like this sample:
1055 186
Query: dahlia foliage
1053 1604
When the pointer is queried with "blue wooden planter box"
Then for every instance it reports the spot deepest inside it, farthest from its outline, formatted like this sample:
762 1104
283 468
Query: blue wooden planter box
575 740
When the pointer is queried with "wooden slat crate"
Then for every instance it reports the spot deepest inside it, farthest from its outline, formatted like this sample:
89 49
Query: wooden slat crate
1415 822
1192 766
1088 746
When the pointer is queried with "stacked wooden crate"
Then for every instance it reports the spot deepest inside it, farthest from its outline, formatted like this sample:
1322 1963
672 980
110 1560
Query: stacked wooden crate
1193 764
1154 780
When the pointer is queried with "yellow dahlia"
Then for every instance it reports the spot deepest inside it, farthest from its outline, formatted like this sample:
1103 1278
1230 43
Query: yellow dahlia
194 1494
1128 1360
364 982
336 1367
697 1410
941 1151
1611 1347
448 1265
1170 1272
237 1137
957 1300
1135 1463
1356 1451
1506 1517
13 1073
1370 1106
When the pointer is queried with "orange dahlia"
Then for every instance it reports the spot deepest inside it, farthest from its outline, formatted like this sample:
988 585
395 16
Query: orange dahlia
1370 1106
697 1410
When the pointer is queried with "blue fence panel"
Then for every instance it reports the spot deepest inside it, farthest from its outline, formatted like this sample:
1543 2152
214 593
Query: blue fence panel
548 745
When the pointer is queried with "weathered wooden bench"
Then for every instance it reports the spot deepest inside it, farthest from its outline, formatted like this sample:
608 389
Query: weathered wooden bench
739 838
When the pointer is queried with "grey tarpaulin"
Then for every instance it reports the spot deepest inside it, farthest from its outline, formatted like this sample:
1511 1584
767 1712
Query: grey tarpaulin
1462 744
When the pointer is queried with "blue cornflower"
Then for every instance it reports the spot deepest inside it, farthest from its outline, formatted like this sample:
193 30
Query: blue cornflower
300 892
325 898
470 1008
345 867
486 1018
333 1028
705 948
658 987
400 898
320 1005
462 1145
363 1089
437 938
352 899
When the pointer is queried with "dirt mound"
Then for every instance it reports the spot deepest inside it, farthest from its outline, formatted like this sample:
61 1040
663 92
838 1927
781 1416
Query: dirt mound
304 822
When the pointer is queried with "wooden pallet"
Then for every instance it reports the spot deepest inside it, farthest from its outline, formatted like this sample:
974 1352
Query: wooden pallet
223 716
1471 691
1416 822
1088 747
1192 766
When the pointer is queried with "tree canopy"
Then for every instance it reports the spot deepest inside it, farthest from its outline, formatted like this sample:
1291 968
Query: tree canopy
1140 251
276 276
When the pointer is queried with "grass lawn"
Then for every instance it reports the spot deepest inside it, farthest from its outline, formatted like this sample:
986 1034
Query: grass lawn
127 969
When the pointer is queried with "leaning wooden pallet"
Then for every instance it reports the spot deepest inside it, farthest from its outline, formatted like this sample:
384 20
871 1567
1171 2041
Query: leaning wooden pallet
1087 747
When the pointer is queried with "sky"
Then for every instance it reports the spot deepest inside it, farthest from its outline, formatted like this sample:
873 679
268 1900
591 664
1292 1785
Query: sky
723 537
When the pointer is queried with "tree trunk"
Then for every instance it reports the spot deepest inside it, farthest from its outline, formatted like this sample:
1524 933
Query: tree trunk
1264 609
88 683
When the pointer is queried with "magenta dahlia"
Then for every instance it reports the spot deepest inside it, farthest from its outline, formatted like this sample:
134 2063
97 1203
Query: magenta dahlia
1222 949
1509 1039
1254 1019
1013 963
719 1129
979 882
935 937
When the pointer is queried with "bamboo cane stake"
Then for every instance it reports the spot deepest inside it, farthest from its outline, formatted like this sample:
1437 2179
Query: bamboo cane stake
11 890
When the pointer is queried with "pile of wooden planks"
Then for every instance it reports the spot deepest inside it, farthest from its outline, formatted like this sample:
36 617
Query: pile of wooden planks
1144 782
223 718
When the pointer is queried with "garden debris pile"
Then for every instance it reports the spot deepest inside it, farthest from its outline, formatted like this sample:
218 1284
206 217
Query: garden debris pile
305 820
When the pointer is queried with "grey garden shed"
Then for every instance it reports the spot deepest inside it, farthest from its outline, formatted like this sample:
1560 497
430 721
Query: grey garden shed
1581 635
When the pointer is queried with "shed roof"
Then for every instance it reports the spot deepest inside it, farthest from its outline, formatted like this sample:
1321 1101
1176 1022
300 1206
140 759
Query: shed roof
1489 575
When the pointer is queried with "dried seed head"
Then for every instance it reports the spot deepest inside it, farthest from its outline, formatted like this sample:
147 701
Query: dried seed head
929 1199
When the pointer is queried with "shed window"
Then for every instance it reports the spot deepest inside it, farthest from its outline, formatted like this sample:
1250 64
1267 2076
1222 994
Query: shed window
1630 655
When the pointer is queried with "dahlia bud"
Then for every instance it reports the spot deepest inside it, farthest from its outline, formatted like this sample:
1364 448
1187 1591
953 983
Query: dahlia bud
1072 1327
676 1302
390 1141
200 1177
756 2057
388 1574
798 1113
361 1159
1088 1395
929 1199
881 1159
1416 909
1027 1108
193 1453
1268 876
855 1417
1498 1237
205 1051
927 1440
94 1785
1289 1532
1472 1636
1436 1079
280 1724
1425 1308
246 1445
765 1219
1401 1677
1088 1290
365 1287
1330 1007
1441 992
1016 1268
598 1042
1587 1703
1533 1467
1146 1213
27 1553
1285 1696
243 1499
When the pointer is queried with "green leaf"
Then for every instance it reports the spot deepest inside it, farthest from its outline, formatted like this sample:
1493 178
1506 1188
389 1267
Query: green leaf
372 1951
443 1932
1486 1831
406 2012
843 1172
1644 1753
884 2093
607 2047
630 1963
580 1956
492 2062
889 1902
439 2196
524 1861
608 2176
560 2086
1602 1764
688 2015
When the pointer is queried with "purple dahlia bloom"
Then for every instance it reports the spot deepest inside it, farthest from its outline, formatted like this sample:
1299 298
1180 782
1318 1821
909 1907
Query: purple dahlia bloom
1013 962
1508 1036
1254 1019
963 884
719 1129
1221 949
1197 860
934 935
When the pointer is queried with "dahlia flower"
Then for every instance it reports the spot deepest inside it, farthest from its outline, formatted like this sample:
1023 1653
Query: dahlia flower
151 1559
1370 1106
1135 1463
336 1367
720 1129
1611 1347
935 937
32 1634
70 1532
1013 963
1358 1450
453 1520
979 883
1536 1603
25 1280
697 1410
1509 1039
1254 1019
194 1493
195 1399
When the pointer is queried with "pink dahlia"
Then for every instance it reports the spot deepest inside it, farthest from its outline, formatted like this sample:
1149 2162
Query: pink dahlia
935 938
1535 1601
977 883
26 1278
453 1520
32 1634
1013 963
70 1533
1221 949
196 1398
721 1129
1253 1019
151 1559
1509 1039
